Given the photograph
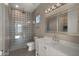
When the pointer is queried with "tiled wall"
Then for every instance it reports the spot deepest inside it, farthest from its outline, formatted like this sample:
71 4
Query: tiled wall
24 18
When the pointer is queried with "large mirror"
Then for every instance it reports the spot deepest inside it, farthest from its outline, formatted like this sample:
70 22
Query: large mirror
57 23
62 23
51 24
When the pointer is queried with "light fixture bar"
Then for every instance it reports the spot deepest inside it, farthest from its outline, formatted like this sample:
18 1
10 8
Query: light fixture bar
53 7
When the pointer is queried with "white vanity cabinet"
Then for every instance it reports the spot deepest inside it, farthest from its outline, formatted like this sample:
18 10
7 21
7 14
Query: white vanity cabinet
42 49
57 45
41 46
47 47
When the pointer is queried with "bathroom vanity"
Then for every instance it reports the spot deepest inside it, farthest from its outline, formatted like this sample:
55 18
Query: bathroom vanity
59 44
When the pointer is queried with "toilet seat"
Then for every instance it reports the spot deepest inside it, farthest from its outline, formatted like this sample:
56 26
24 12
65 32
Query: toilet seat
31 46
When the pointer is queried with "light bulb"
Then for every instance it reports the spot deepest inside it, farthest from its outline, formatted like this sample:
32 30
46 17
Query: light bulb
49 9
53 7
17 6
45 11
58 4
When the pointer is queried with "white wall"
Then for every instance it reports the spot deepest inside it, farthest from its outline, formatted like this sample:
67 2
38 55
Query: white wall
4 28
0 27
72 21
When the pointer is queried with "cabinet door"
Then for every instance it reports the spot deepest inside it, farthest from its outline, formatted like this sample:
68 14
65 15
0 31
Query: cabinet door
42 49
36 46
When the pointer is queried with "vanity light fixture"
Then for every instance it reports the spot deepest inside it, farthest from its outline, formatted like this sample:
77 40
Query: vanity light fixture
53 7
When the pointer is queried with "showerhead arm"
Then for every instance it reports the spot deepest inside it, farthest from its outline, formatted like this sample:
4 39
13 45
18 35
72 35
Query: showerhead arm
23 11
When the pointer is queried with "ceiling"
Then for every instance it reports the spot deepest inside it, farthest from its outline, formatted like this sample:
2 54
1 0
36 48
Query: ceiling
30 7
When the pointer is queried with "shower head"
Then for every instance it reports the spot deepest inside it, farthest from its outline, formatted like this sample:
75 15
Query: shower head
23 12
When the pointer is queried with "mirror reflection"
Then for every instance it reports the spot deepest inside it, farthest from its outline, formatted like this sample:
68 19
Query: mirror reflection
57 23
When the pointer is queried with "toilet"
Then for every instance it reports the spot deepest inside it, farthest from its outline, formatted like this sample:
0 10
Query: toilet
31 46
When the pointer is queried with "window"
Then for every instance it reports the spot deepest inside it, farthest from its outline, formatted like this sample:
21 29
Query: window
37 22
38 19
18 28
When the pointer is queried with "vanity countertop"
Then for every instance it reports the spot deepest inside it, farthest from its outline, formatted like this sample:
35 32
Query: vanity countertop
65 46
67 51
63 33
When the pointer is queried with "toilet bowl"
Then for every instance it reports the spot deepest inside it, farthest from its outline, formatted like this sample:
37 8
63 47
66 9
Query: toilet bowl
30 46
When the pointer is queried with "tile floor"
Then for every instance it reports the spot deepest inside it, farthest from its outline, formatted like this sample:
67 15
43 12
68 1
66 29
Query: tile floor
22 52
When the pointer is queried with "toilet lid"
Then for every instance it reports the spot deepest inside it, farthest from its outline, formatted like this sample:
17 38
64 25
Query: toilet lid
30 43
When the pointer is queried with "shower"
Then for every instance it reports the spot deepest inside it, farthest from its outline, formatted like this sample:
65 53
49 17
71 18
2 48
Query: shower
20 28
